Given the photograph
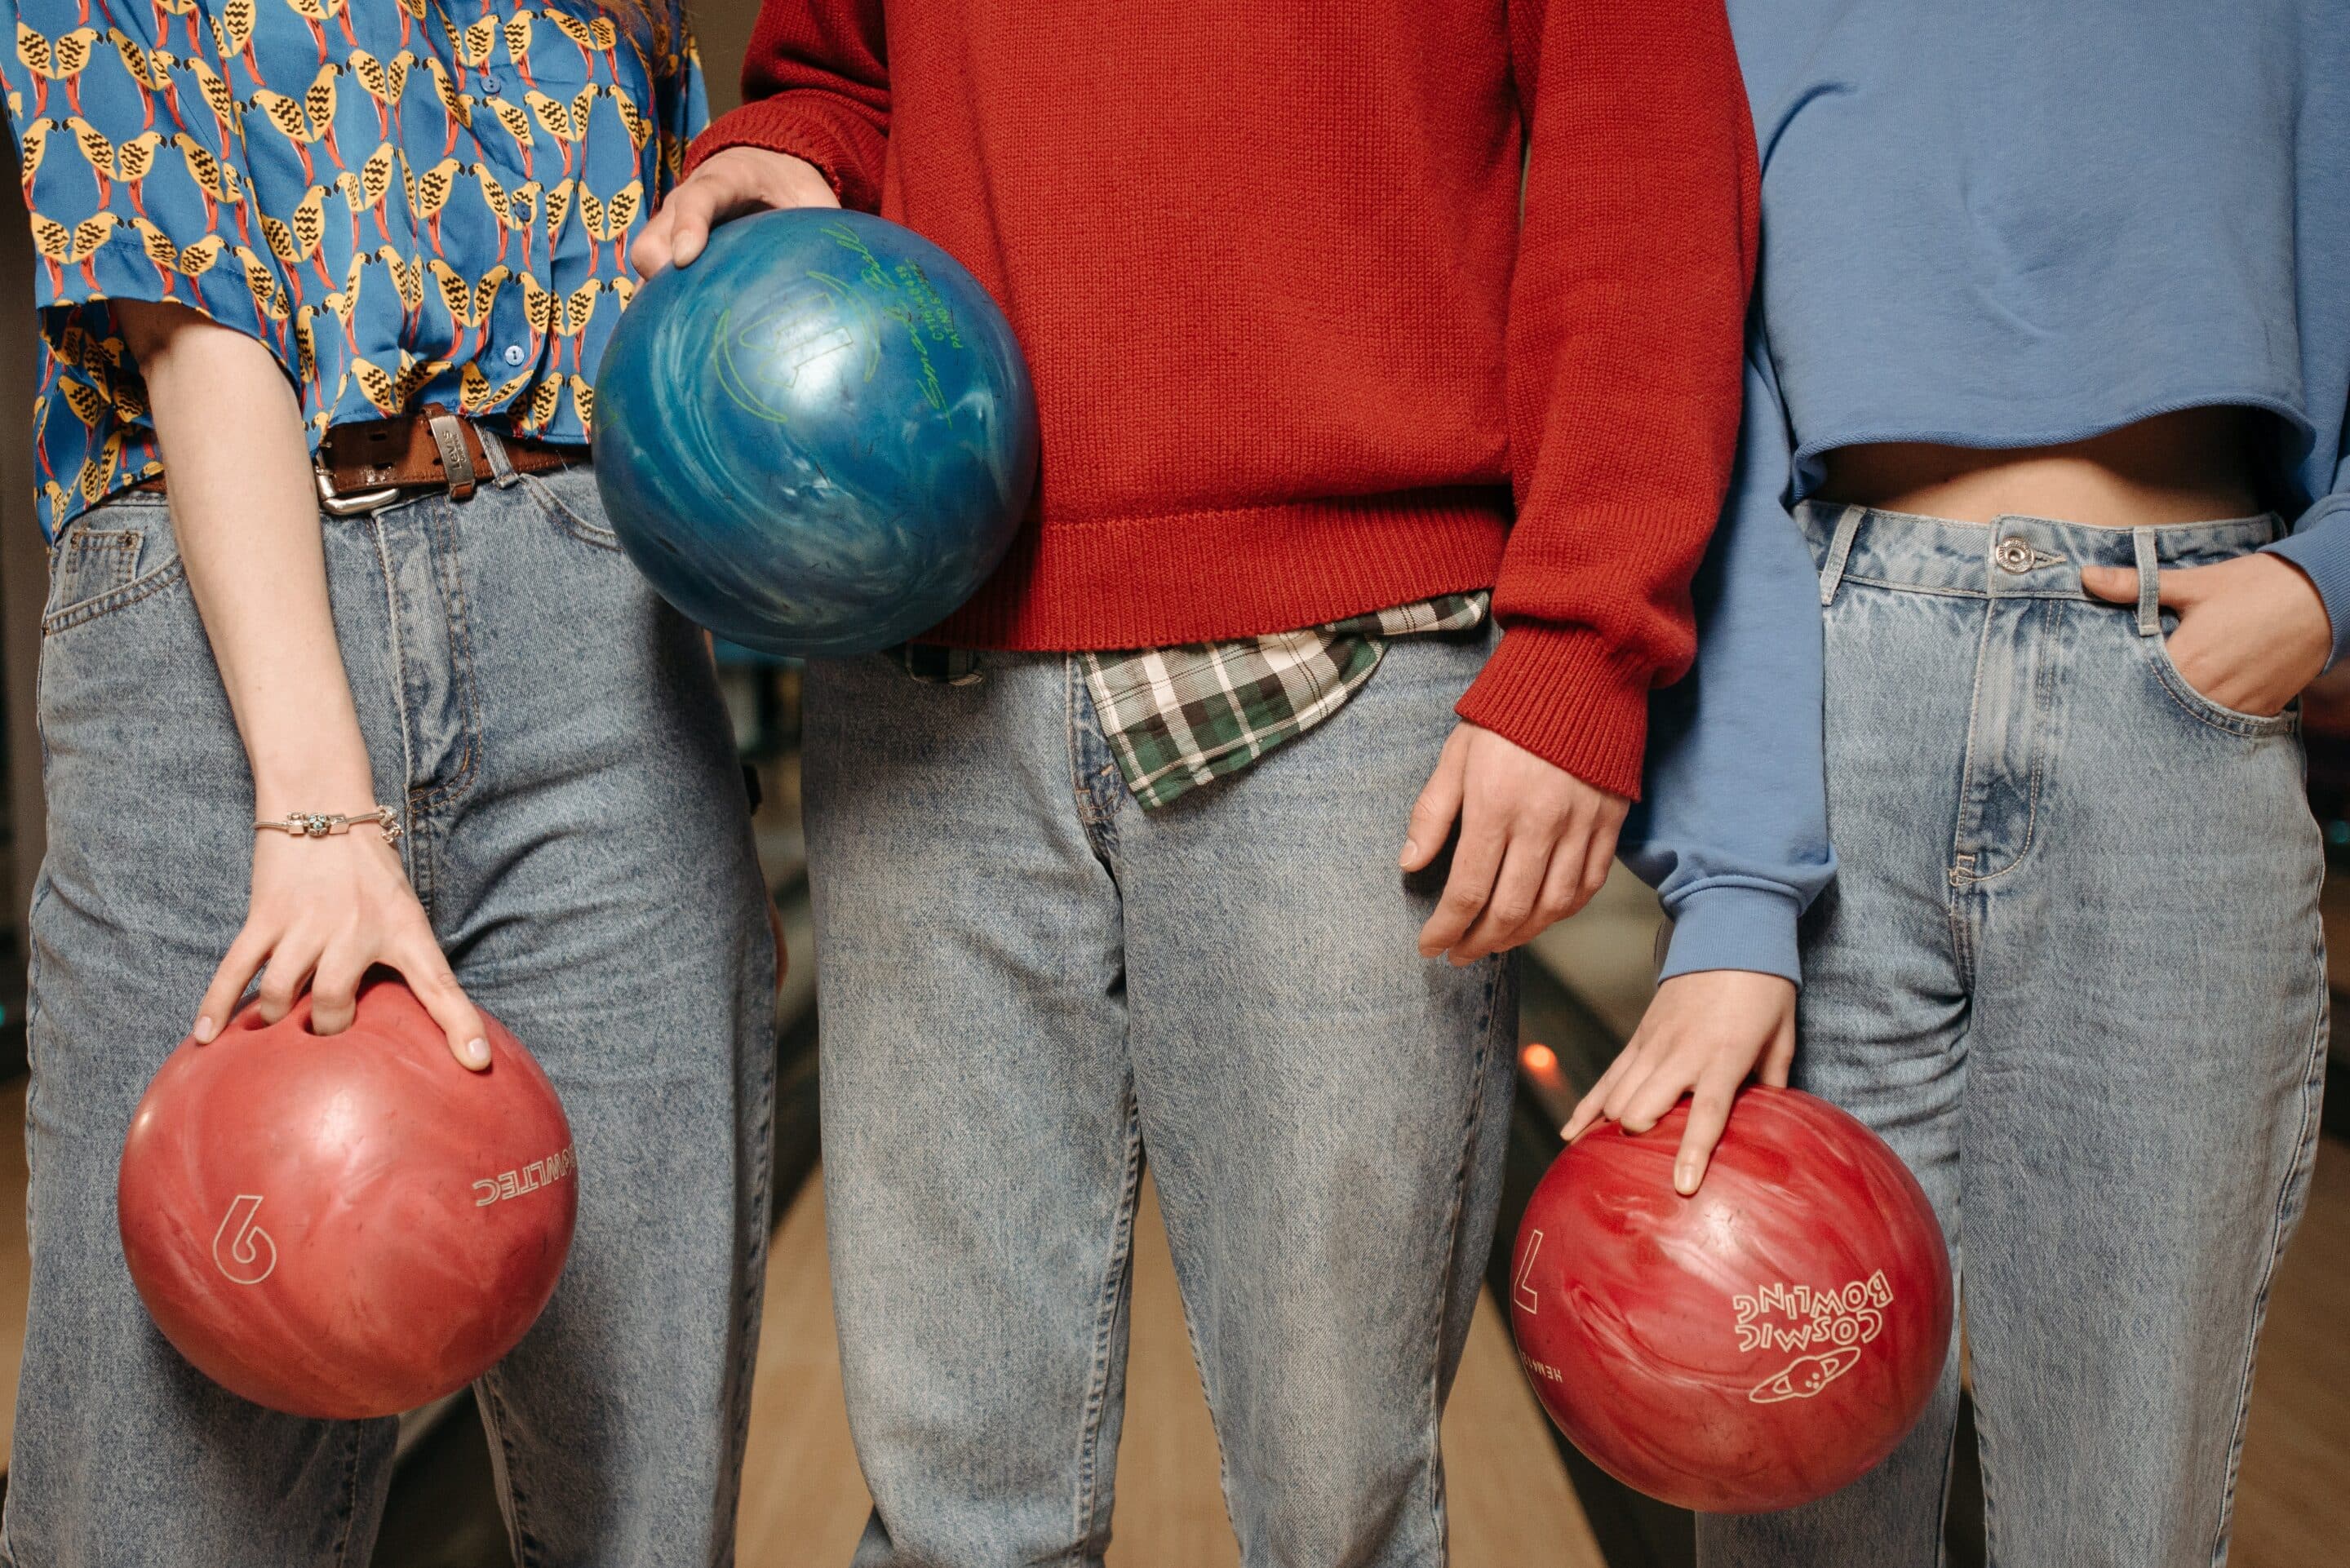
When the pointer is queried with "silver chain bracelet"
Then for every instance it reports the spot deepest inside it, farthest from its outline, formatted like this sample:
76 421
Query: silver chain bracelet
321 825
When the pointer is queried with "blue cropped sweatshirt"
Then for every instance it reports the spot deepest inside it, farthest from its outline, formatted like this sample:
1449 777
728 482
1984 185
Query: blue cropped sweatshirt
1991 223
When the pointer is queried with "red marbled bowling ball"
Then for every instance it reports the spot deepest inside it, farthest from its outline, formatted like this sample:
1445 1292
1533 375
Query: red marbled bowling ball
346 1226
1751 1348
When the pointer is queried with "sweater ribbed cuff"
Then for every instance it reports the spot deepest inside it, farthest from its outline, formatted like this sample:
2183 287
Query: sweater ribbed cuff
1735 928
1568 696
2320 546
779 125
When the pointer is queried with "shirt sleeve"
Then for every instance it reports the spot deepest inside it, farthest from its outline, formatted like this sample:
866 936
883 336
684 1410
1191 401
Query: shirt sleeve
1627 313
680 103
2320 545
1732 829
134 167
815 84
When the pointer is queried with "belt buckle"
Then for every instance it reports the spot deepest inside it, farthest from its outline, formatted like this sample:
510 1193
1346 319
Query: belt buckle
358 503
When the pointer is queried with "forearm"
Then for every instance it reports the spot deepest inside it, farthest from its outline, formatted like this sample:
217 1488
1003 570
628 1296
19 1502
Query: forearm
1627 311
244 508
1733 828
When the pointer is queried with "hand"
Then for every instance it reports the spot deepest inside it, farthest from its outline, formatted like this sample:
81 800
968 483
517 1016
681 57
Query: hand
728 184
1705 1034
2252 632
323 911
1535 843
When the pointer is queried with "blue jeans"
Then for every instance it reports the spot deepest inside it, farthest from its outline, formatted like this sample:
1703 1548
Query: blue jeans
579 841
1030 986
2071 970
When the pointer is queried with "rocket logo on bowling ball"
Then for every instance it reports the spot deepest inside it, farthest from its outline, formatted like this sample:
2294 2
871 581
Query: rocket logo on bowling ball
241 1249
1846 1319
1804 1378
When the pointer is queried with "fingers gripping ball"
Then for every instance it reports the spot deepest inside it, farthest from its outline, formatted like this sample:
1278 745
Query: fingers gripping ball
349 1226
1753 1348
820 438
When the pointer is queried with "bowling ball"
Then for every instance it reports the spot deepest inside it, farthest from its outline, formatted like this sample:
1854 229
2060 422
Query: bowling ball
350 1225
820 438
1750 1349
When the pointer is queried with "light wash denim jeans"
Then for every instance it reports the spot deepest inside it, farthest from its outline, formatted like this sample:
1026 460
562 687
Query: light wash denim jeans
2071 970
578 837
1031 986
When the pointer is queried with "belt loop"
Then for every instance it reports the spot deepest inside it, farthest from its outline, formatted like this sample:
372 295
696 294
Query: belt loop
1839 550
501 468
2150 583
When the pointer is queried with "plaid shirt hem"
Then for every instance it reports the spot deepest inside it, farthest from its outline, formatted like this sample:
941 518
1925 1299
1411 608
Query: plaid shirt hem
1177 718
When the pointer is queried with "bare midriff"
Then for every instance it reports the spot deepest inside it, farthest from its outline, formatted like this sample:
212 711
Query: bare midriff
2193 466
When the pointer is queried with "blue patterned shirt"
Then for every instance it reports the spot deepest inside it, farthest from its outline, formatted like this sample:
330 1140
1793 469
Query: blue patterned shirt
408 200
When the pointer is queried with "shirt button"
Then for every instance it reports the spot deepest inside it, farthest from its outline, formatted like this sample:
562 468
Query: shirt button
491 85
2013 553
515 354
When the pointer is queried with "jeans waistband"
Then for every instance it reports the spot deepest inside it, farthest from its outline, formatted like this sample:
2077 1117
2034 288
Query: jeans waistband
2009 558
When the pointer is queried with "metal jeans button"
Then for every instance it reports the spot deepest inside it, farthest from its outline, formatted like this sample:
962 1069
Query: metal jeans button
2013 553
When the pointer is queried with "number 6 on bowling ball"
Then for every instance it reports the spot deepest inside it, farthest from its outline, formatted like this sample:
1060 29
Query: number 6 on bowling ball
1753 1348
352 1225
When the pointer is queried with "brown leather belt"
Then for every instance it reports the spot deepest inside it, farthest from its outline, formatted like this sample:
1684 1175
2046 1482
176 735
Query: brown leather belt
370 463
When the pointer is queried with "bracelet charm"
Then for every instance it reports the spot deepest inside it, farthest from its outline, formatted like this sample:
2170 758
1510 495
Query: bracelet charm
322 825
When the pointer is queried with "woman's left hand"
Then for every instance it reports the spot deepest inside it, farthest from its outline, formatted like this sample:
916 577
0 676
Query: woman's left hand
1705 1032
2252 632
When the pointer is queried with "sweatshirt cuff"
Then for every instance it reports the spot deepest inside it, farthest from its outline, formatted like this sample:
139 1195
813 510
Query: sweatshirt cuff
1732 926
1569 696
779 125
2320 545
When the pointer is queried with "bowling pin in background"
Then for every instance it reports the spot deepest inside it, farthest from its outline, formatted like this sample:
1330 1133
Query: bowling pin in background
349 1226
1753 1348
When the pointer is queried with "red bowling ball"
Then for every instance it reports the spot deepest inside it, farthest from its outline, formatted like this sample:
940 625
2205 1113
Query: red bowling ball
1753 1347
346 1226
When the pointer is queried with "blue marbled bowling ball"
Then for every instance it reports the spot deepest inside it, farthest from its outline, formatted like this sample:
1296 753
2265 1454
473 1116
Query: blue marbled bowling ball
818 439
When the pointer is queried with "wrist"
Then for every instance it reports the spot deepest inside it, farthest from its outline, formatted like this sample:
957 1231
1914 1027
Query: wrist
280 796
2319 552
383 820
1735 926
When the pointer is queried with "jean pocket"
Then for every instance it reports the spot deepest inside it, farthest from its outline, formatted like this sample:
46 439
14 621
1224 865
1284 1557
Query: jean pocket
2219 716
113 556
569 497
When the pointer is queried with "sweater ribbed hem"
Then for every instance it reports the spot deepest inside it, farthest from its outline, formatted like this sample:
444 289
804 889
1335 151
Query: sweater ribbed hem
1243 571
1568 697
1726 927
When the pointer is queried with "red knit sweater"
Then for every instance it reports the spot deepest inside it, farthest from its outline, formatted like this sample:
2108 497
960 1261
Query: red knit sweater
1294 349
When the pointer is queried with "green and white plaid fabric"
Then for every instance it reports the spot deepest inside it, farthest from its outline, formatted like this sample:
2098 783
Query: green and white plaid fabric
1178 718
